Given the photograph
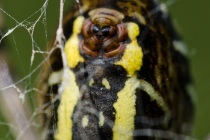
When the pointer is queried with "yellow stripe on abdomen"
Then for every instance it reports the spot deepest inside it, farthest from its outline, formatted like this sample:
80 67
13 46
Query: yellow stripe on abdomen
125 110
68 101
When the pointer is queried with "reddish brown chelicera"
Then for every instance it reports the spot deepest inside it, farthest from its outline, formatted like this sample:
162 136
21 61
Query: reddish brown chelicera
104 34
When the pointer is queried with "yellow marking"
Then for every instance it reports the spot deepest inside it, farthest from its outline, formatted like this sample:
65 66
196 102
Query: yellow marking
101 119
125 107
91 82
132 57
55 78
105 83
133 31
68 101
125 110
72 45
154 95
85 121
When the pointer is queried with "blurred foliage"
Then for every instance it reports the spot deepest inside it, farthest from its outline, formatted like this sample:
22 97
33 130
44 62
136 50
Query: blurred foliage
191 18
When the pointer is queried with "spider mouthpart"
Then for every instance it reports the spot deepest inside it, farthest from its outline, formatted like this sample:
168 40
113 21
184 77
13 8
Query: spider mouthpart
100 32
104 33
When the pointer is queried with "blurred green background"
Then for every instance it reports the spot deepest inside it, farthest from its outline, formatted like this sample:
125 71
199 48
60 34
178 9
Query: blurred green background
191 18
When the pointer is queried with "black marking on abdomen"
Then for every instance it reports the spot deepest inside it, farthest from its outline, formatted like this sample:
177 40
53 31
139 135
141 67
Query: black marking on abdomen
149 115
96 98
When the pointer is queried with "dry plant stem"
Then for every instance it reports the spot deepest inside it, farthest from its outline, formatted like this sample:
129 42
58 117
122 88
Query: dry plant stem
14 110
